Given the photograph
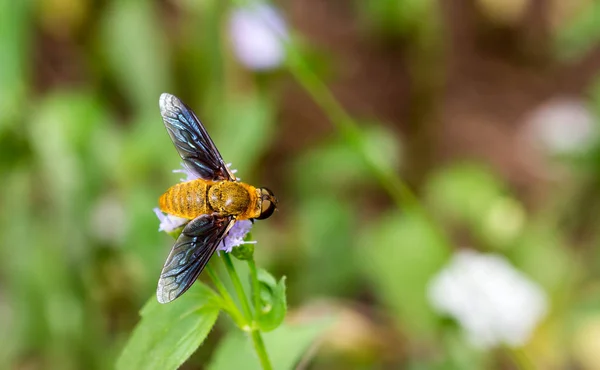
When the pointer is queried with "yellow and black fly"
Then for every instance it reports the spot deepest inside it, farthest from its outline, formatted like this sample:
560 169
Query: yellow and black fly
210 204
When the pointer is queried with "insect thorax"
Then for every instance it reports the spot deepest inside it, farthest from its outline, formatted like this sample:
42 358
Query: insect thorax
232 198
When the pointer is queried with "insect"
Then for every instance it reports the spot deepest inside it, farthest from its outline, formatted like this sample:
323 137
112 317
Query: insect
212 203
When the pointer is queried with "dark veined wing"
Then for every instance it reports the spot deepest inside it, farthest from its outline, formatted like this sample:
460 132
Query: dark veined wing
190 254
191 140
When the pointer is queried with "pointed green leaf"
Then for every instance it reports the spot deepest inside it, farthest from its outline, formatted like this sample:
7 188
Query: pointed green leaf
168 334
273 302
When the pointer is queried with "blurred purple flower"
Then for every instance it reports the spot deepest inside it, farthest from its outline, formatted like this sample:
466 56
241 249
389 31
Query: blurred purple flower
493 302
258 33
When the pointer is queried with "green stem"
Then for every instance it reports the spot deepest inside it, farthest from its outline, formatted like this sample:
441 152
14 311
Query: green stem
257 341
237 285
230 305
521 359
261 350
255 285
350 131
345 124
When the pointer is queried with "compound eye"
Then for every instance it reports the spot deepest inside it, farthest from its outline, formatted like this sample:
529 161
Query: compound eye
266 210
268 204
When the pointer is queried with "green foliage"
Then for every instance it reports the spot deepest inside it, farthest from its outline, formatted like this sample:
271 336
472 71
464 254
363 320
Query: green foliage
400 254
15 30
84 157
470 194
541 254
286 345
396 17
168 334
244 252
273 305
246 126
581 34
136 52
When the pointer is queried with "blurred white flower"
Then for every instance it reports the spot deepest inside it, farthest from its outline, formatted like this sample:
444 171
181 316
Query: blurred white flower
258 33
562 125
493 302
108 220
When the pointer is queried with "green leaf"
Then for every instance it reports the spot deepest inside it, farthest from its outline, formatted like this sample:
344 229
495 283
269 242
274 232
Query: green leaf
464 191
580 35
543 256
168 334
137 53
351 170
273 303
400 254
244 130
326 232
285 347
473 195
397 17
16 29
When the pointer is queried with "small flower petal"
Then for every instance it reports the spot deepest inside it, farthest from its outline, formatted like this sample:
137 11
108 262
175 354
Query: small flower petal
236 236
169 223
189 175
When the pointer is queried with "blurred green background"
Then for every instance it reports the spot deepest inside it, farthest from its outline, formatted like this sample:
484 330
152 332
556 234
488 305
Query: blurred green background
487 109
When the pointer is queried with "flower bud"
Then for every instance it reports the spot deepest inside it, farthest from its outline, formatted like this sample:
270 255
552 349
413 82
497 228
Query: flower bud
244 251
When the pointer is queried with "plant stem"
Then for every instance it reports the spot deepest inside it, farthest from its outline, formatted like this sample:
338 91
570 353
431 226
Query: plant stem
237 285
350 131
255 285
231 307
344 123
257 341
520 358
261 350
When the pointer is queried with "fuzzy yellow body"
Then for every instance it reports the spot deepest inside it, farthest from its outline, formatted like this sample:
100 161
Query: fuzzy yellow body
197 197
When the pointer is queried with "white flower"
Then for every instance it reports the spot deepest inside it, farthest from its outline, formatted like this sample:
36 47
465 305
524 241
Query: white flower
108 220
258 33
561 125
493 302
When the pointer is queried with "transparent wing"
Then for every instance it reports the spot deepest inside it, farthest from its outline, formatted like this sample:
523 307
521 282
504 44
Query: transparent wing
191 140
190 254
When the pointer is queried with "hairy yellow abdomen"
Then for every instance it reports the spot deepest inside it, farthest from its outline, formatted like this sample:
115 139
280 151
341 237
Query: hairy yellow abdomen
186 199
